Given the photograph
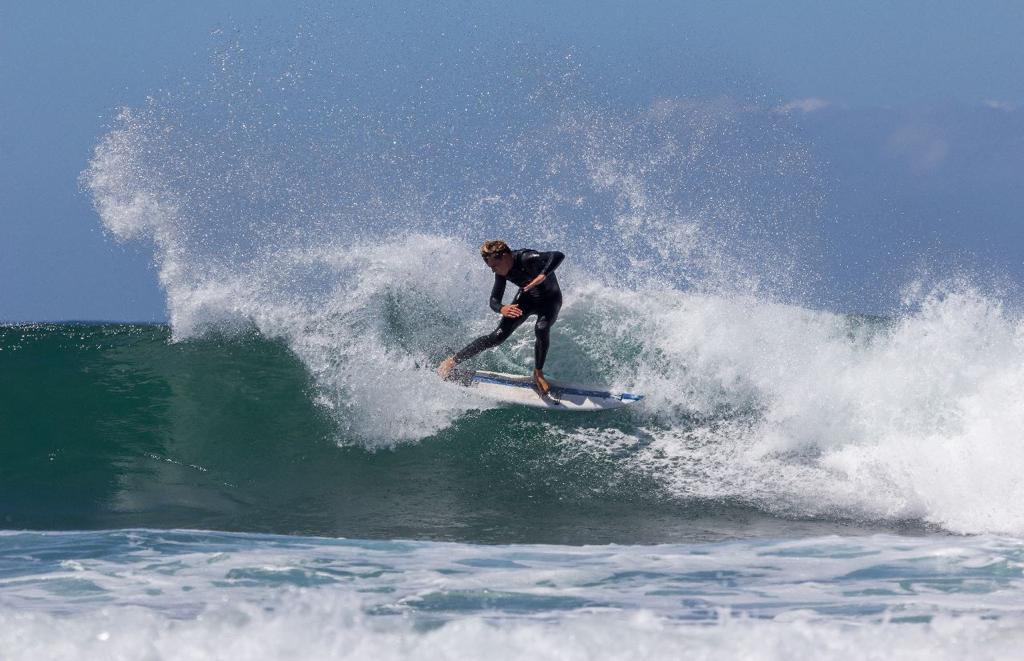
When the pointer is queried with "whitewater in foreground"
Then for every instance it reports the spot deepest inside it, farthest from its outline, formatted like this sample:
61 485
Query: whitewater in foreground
196 595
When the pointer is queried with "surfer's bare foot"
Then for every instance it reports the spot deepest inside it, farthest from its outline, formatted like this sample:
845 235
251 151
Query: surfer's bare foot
543 387
444 370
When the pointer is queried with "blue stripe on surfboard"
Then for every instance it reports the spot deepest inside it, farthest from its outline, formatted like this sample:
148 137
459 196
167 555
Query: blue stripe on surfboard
624 397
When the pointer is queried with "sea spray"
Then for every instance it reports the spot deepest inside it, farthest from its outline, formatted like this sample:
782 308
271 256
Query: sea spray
345 228
281 194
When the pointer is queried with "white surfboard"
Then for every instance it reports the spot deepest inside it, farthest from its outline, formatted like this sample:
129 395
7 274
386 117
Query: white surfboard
517 389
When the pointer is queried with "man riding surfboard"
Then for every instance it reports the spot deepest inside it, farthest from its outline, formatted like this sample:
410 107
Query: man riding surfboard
539 294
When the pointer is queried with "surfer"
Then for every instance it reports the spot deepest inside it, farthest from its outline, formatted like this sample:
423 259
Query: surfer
539 294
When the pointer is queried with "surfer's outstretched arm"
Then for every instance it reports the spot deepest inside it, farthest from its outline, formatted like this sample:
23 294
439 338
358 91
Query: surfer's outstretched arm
541 263
554 258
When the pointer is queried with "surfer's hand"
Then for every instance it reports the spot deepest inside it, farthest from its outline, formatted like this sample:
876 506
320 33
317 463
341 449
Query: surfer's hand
533 283
511 311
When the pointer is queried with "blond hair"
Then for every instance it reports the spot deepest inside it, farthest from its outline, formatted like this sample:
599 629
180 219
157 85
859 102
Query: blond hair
494 248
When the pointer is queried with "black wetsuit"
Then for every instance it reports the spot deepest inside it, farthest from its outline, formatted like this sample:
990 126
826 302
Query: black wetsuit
544 300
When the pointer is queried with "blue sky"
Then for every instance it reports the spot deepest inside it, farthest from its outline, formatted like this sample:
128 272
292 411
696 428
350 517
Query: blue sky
912 110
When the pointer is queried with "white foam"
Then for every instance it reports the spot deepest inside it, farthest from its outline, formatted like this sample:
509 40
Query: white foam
816 414
193 595
328 627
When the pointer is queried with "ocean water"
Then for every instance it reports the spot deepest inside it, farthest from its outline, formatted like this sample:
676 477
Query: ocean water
188 594
277 472
205 498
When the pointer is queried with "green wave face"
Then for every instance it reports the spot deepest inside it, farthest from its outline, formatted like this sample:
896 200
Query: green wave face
110 426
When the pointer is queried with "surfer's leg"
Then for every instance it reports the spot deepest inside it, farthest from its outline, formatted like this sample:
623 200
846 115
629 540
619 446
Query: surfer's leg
492 339
546 318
